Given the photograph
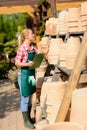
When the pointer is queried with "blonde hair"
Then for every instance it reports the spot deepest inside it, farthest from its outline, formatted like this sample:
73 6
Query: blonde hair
22 36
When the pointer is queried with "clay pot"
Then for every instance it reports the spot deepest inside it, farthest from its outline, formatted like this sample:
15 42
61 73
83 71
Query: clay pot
79 106
54 50
56 92
73 46
74 14
55 95
84 17
62 58
84 8
51 26
44 92
55 45
43 45
41 71
53 58
84 23
70 62
73 24
52 111
63 22
73 29
64 126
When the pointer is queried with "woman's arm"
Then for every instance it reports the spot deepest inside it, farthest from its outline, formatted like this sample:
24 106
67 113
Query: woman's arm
22 64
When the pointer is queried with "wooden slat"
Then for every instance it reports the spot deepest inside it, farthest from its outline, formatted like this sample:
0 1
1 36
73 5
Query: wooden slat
83 78
74 78
18 2
17 9
59 1
67 5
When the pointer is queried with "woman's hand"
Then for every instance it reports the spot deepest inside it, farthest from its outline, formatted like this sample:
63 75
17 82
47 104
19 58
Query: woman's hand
30 63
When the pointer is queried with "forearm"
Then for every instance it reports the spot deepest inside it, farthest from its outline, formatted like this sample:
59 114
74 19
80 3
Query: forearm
24 64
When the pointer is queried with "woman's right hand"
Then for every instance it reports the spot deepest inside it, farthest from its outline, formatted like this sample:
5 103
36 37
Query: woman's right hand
30 63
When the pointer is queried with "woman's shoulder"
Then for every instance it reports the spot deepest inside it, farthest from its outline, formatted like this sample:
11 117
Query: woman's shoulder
22 47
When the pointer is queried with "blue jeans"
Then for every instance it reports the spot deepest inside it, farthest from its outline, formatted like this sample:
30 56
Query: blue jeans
25 101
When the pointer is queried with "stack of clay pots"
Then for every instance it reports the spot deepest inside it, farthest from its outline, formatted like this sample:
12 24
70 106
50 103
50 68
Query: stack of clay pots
79 106
43 97
73 46
63 22
84 15
41 71
54 50
51 26
55 95
73 19
40 79
44 92
64 126
43 45
62 58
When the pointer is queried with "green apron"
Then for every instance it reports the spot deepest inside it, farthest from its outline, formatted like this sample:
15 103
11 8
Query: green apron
26 88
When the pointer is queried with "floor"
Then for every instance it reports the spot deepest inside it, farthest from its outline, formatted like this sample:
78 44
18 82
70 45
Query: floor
10 114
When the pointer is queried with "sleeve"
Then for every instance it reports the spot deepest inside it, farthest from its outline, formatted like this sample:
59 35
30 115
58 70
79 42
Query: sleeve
36 50
19 55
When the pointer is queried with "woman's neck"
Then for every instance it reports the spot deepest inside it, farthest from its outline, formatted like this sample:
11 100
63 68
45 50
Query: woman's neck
27 43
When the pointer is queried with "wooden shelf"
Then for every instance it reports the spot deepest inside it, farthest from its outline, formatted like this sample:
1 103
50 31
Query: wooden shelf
64 70
69 33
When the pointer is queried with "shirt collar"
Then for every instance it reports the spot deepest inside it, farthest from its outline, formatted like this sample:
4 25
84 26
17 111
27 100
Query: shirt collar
27 49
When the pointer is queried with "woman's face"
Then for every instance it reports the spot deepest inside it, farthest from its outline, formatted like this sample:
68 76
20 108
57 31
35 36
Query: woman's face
30 35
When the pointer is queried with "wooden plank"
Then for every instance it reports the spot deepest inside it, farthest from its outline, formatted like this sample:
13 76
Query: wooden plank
83 78
67 5
73 80
17 9
18 2
53 8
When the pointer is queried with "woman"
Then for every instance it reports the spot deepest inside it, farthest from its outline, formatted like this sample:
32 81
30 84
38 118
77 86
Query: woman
24 59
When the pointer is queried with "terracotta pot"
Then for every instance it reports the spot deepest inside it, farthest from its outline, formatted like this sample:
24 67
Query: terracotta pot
84 28
64 126
84 8
79 106
84 17
62 58
73 24
73 45
74 14
55 45
53 58
56 92
41 71
54 50
73 29
52 94
84 23
62 22
52 111
43 45
51 26
70 61
44 92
